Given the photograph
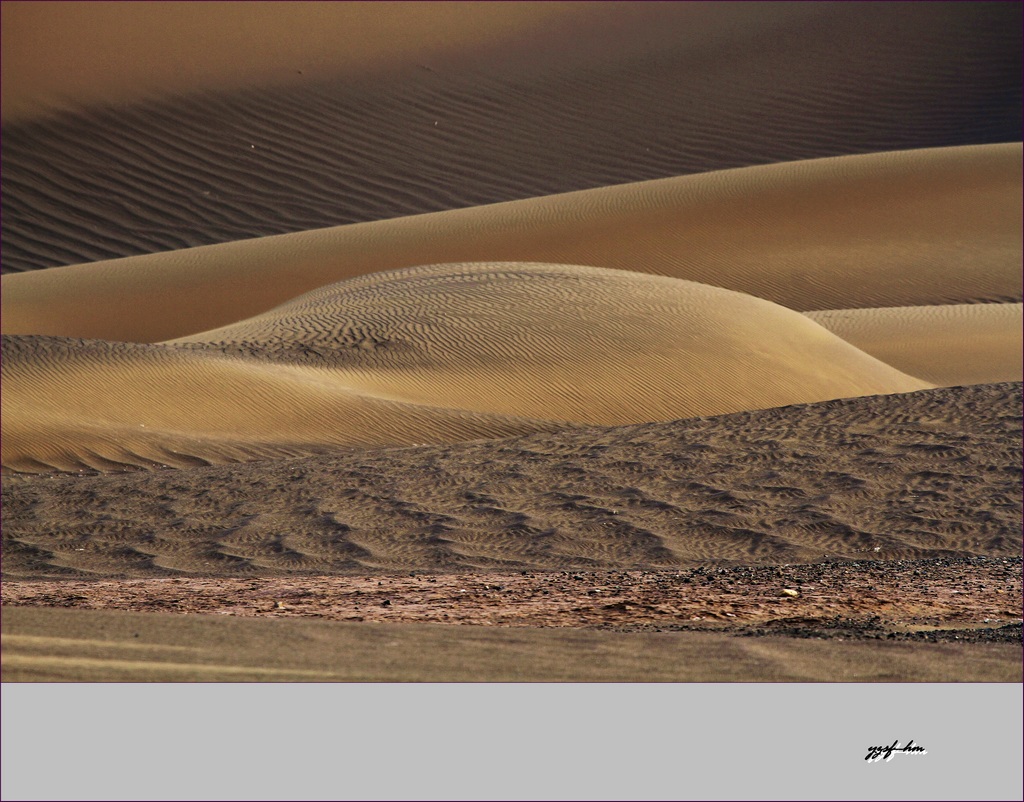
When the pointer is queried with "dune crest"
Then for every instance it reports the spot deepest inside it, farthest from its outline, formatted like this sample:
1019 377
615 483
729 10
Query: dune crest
948 345
934 226
431 354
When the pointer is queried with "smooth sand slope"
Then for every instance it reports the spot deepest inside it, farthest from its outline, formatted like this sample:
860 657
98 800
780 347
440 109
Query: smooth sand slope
947 344
891 229
106 646
74 405
424 355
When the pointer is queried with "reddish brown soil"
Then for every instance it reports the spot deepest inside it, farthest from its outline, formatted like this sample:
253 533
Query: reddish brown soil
962 599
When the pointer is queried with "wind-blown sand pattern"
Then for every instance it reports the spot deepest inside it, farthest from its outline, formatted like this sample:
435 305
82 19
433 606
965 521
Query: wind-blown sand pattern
481 105
590 352
809 235
932 473
394 358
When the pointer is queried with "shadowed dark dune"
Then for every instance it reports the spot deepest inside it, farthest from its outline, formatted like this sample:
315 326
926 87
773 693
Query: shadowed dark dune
926 474
821 80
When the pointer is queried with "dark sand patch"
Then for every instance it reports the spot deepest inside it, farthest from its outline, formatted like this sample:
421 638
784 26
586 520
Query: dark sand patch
928 474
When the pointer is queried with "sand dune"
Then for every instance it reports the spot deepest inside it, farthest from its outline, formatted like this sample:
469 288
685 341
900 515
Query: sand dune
295 116
62 54
928 474
423 355
561 341
892 229
945 345
590 316
92 405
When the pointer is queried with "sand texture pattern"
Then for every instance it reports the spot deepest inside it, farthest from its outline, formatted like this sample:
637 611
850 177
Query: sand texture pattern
653 324
418 112
931 473
890 229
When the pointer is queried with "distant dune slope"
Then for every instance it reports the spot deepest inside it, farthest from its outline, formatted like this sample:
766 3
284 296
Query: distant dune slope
938 226
945 345
296 117
429 354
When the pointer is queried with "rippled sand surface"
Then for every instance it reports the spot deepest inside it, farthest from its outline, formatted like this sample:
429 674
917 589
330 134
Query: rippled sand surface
553 288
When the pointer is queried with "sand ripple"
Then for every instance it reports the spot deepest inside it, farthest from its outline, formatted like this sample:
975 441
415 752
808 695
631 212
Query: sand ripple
431 354
939 226
925 474
665 90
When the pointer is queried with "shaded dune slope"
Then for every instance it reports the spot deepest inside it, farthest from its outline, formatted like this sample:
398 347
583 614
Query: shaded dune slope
925 474
945 345
612 102
939 226
430 354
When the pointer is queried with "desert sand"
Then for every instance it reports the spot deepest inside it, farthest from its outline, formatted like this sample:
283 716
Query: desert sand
810 235
431 354
570 342
948 344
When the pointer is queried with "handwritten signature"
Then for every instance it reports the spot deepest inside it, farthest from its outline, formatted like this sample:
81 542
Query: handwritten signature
886 752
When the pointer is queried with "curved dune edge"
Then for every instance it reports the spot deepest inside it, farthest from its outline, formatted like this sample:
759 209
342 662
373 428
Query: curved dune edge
434 354
945 345
175 408
817 234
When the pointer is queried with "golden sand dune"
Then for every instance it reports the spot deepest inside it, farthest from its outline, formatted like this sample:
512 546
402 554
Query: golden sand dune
946 345
72 405
429 354
938 226
418 393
